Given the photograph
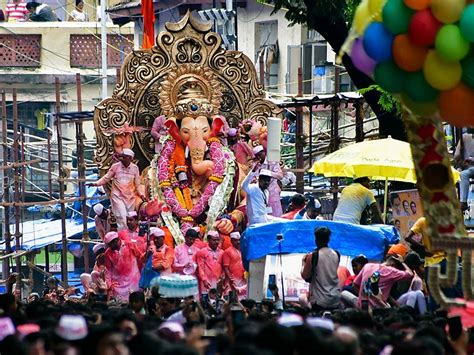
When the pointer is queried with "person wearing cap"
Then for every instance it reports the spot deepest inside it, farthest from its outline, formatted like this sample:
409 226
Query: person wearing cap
184 254
257 196
233 267
121 262
101 219
130 234
162 255
355 198
126 189
311 211
209 264
274 190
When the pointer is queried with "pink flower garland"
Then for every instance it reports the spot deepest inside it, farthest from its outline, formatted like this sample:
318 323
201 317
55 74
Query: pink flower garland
217 157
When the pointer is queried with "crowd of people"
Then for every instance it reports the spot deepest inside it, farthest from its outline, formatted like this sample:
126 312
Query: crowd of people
377 309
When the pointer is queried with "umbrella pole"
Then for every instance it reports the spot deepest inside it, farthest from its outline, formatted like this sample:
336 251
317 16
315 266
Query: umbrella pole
385 198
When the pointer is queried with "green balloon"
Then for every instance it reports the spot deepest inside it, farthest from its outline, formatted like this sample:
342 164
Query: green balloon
467 23
390 77
418 89
396 16
450 44
468 71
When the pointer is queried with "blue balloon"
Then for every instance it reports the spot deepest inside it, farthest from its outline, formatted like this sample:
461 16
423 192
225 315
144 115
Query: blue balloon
378 42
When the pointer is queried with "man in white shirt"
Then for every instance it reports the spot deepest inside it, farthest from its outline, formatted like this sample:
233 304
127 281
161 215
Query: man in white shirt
257 196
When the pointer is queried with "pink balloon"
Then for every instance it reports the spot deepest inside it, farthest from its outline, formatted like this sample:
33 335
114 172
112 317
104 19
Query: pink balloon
360 58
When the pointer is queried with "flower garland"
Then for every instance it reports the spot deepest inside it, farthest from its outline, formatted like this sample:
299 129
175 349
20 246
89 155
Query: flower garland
177 194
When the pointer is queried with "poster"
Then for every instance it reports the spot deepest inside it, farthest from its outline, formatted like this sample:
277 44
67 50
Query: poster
293 284
406 209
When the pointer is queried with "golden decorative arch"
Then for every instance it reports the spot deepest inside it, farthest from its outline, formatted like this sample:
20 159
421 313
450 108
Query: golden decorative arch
136 98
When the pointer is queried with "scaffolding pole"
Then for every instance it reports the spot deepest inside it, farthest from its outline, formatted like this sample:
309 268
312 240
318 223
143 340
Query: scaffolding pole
6 188
16 185
64 273
81 169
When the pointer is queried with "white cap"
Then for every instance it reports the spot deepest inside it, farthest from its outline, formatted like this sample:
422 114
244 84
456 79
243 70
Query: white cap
265 172
157 232
317 204
290 320
257 149
98 209
132 214
235 235
213 233
128 152
72 327
98 247
318 322
110 236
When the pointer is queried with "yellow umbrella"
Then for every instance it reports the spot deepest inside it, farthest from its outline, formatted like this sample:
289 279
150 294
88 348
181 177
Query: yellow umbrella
381 159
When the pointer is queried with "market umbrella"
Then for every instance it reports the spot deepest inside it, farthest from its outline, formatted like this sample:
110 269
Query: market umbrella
381 159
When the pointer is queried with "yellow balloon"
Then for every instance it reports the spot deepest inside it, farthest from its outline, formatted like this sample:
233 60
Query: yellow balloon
362 17
375 9
440 74
448 11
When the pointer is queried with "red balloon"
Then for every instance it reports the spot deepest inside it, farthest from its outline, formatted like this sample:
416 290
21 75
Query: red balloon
456 107
423 28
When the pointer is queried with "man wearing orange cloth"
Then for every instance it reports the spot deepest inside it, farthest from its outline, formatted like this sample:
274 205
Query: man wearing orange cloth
209 263
162 254
126 186
233 267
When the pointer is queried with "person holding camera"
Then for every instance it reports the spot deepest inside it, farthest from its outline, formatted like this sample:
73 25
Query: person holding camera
320 270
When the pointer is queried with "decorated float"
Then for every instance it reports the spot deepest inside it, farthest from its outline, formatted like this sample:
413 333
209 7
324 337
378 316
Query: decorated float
178 106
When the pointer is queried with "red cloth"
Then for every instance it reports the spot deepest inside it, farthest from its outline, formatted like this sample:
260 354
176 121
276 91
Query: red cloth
148 12
291 214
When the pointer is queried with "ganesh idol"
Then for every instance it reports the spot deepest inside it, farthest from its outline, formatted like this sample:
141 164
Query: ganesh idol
193 172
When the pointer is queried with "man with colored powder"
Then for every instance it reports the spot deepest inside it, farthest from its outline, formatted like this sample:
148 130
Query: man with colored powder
184 254
209 264
233 268
121 262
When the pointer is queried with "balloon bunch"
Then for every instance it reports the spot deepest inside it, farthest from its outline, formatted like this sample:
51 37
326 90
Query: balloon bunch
421 50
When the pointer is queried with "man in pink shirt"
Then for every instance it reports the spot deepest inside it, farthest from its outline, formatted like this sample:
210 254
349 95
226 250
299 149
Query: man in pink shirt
126 189
131 233
162 255
121 262
233 267
375 281
184 254
209 264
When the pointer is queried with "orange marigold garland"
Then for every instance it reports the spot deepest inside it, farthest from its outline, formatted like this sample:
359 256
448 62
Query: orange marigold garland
187 198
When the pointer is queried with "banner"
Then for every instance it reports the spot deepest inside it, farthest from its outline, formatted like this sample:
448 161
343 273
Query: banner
406 209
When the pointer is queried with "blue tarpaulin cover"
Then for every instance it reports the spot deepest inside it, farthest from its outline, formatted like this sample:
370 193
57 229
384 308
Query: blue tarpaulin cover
298 237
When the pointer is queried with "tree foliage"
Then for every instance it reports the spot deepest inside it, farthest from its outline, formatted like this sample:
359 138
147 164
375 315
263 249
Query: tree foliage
332 19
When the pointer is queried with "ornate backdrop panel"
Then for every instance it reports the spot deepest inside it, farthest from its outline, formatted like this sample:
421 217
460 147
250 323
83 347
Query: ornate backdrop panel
135 99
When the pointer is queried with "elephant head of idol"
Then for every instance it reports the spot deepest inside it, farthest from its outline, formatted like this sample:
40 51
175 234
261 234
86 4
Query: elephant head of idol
190 98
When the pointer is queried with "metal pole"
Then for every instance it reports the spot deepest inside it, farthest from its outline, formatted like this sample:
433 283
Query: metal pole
261 71
311 142
64 274
299 135
16 186
359 121
50 163
335 145
81 169
6 188
103 45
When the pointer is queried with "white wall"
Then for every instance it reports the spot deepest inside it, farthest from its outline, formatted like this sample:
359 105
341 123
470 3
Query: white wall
255 12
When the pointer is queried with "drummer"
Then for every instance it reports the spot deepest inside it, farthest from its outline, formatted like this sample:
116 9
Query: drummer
184 263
